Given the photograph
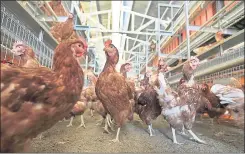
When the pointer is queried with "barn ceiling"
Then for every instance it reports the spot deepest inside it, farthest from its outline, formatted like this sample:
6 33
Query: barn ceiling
144 8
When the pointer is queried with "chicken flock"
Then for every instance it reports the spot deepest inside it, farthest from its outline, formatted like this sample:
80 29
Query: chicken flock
34 98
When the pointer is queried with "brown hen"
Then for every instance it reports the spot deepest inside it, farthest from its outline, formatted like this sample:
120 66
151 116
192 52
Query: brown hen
112 89
217 108
64 30
34 99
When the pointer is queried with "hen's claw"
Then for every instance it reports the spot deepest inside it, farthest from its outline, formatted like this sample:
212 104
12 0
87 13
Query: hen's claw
115 140
178 143
100 122
69 125
106 130
82 125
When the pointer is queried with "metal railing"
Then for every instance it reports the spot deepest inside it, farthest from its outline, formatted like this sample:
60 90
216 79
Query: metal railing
221 60
13 30
236 72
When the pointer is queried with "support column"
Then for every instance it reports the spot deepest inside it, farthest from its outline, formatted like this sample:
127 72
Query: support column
116 9
187 30
40 36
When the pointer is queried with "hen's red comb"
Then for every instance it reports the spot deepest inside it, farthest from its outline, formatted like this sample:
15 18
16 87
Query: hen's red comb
107 43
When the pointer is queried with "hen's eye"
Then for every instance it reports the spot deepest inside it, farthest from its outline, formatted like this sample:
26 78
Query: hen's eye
79 45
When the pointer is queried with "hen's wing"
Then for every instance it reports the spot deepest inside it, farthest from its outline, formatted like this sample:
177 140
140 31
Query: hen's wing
113 91
20 85
67 29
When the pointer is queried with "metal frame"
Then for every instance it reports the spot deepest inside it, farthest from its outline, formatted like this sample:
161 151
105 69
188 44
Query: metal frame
222 62
13 30
139 31
200 36
135 53
102 28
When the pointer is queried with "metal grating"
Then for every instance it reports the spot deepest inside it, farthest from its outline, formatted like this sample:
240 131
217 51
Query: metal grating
238 53
13 30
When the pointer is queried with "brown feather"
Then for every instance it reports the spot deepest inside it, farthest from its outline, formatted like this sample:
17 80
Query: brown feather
33 100
112 89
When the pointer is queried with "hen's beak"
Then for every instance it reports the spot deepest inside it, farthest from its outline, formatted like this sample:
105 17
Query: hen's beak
16 53
82 53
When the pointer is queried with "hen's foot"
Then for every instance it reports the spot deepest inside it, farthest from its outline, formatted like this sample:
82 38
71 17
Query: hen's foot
194 137
69 125
106 130
175 142
82 125
115 140
100 122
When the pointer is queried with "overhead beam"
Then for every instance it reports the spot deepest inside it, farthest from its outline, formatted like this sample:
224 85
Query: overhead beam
100 38
80 27
144 26
146 11
145 16
164 13
131 38
170 5
135 47
97 13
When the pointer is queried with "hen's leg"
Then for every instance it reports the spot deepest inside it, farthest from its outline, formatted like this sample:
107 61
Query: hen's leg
70 124
217 120
40 136
196 138
151 131
106 126
201 117
183 132
100 122
108 118
117 137
174 137
64 119
211 121
91 113
82 122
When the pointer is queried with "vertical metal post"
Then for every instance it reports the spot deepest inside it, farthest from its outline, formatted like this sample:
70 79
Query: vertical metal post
219 6
95 61
187 30
221 50
138 61
158 31
40 37
172 21
124 52
72 7
146 50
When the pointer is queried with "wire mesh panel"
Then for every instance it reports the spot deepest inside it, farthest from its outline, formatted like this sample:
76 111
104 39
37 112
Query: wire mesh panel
237 72
222 59
236 54
12 30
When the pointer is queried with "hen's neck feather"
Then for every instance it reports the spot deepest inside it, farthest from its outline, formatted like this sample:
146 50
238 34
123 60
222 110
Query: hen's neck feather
109 66
67 67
